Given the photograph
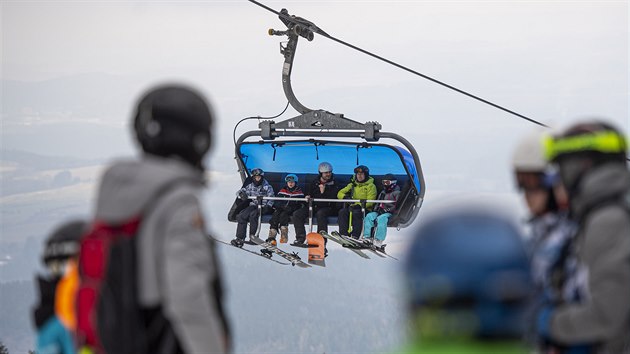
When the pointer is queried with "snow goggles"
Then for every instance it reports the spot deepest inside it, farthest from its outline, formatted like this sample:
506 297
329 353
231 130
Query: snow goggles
360 170
531 181
387 182
290 178
257 172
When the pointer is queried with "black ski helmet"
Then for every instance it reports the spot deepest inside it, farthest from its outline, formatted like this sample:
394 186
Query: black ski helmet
364 169
392 181
174 120
63 243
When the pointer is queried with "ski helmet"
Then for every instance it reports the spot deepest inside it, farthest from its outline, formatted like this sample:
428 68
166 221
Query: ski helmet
324 167
257 172
529 155
174 120
390 178
63 243
468 274
585 146
531 169
364 169
291 178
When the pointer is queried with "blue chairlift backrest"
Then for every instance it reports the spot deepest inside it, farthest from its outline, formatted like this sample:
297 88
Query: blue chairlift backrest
303 157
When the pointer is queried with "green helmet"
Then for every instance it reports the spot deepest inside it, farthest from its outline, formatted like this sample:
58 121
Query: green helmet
596 139
582 148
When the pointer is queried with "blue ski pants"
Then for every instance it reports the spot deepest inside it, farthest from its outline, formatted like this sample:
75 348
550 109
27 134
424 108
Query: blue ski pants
381 225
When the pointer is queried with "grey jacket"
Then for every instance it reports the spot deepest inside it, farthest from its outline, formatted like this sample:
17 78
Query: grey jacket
177 266
601 313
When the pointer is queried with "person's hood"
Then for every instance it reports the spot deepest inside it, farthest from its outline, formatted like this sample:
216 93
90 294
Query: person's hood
599 185
128 186
367 181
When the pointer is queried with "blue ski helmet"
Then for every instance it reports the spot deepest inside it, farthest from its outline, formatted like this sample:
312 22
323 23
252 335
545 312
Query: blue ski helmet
467 274
291 177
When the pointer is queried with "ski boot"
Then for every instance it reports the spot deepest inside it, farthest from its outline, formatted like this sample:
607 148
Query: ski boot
298 242
237 242
284 234
272 237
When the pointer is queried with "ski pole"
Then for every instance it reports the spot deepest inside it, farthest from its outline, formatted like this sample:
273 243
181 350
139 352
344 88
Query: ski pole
310 215
259 200
362 219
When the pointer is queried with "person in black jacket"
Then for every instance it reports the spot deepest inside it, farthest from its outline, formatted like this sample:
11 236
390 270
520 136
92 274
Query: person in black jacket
322 188
283 210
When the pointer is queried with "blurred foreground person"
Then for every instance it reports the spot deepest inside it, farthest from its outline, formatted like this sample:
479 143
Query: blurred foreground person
594 314
161 289
550 227
54 315
468 282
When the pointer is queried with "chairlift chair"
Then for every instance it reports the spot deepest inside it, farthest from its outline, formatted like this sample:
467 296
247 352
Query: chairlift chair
297 145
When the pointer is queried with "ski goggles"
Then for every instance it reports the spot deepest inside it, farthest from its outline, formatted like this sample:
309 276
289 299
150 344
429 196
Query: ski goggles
360 170
290 178
257 172
387 182
532 181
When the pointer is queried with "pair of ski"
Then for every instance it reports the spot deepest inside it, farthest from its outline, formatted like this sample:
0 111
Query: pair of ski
267 250
356 246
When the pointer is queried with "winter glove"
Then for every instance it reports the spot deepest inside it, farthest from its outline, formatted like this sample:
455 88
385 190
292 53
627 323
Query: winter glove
242 195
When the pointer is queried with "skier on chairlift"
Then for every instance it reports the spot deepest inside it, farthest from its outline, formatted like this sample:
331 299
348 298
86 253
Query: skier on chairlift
258 187
378 218
284 209
323 187
361 186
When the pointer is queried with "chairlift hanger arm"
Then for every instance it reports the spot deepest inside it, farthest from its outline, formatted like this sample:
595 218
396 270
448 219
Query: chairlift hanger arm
296 27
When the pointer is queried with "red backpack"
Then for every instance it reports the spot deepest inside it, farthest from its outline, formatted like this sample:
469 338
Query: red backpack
109 316
109 319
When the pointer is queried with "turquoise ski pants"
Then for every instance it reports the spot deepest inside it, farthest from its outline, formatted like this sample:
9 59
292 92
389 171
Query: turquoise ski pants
381 225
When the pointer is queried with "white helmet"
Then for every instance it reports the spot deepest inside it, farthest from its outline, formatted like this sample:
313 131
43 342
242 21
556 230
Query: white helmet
324 167
529 155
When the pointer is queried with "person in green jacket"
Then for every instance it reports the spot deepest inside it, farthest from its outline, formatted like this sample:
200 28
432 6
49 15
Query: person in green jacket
468 284
361 186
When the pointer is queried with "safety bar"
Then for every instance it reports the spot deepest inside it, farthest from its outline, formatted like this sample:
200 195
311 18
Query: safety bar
325 200
310 206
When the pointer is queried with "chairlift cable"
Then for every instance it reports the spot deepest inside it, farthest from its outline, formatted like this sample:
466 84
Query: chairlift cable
324 34
259 118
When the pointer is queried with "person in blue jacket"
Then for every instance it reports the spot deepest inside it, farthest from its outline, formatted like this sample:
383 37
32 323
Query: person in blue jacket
53 337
